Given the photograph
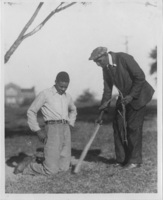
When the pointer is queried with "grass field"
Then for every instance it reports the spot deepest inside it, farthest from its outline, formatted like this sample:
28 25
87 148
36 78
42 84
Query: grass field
97 175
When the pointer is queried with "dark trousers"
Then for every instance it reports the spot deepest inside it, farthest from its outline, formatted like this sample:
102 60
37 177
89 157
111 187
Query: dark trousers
131 153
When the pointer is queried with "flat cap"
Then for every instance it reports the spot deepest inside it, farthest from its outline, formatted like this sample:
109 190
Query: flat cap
98 52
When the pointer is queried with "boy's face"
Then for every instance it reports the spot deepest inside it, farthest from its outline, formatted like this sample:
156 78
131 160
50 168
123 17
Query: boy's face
61 86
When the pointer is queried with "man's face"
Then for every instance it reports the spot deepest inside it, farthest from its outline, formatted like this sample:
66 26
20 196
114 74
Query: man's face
102 61
61 86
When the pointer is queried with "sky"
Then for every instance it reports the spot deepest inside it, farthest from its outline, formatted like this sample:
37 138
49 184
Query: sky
68 38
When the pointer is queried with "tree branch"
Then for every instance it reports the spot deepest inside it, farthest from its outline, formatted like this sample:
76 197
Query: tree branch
31 20
20 37
57 10
35 30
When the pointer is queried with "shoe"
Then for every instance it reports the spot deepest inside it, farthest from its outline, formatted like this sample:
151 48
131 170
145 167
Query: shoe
22 165
131 166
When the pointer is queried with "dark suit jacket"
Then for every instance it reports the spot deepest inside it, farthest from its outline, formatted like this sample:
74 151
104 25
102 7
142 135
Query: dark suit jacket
129 78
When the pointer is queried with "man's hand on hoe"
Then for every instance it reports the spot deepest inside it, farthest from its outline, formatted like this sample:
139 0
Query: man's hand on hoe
99 119
127 99
102 108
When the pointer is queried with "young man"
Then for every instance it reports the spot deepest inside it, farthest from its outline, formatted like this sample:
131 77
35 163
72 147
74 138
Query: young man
122 71
59 113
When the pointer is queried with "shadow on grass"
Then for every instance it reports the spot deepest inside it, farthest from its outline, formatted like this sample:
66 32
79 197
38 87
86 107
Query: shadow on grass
14 160
92 156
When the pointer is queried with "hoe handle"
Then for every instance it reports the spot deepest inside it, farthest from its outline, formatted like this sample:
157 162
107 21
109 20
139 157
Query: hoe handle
77 167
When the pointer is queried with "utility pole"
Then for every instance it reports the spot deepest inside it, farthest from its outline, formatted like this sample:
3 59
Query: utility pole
126 43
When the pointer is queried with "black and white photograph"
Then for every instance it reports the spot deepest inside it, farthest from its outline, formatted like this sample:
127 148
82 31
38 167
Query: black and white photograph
81 106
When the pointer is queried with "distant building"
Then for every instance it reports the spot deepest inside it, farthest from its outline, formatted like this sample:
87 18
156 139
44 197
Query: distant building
16 96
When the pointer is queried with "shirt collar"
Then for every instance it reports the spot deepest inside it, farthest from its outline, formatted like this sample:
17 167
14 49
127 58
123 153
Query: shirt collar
54 90
111 61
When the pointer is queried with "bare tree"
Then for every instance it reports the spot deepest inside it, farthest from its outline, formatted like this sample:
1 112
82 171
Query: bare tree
23 36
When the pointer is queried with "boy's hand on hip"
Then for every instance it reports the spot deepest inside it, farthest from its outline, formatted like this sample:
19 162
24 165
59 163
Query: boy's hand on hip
41 135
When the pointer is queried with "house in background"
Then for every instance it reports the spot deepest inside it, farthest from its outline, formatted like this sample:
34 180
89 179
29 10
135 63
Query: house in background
16 96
